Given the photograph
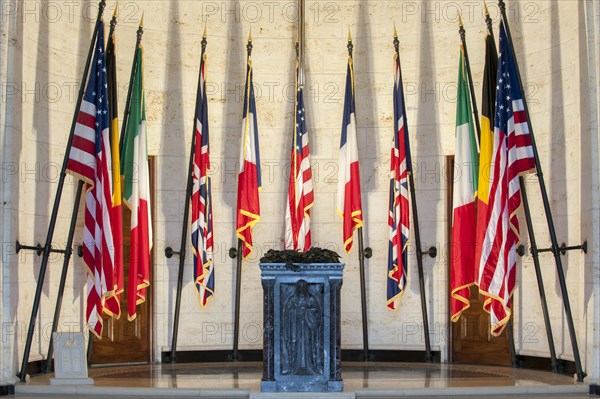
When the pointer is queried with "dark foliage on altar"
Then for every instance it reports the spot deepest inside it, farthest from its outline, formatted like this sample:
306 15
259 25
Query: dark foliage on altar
289 257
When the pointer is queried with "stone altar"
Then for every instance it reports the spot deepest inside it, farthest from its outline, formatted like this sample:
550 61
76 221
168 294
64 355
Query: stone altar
301 306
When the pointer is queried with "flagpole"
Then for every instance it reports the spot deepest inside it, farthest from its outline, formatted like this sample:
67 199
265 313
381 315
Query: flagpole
361 251
186 214
415 214
50 234
548 211
139 34
300 48
240 255
238 286
463 40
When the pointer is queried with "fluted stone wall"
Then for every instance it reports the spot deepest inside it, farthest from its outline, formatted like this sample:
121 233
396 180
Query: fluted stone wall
556 44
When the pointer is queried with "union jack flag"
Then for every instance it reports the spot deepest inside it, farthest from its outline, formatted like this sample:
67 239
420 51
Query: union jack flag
90 160
202 221
512 156
398 218
300 191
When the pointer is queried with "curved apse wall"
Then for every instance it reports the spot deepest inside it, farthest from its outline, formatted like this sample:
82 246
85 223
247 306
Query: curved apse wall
48 54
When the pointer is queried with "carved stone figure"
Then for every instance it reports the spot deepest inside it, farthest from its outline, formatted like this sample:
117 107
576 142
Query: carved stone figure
302 346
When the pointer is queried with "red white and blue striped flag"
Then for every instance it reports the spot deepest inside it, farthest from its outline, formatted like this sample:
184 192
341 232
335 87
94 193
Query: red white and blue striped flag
512 156
249 178
398 219
90 160
300 191
202 221
349 205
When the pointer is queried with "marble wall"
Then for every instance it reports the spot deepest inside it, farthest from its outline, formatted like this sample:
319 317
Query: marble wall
42 54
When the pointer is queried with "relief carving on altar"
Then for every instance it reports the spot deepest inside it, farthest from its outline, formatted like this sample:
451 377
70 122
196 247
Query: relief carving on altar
302 329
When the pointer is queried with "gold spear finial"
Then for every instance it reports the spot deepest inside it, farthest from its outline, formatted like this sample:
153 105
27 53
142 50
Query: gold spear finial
485 9
204 34
116 13
349 35
250 35
395 31
460 22
142 20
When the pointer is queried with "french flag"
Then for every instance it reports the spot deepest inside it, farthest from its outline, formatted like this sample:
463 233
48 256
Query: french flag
249 179
349 205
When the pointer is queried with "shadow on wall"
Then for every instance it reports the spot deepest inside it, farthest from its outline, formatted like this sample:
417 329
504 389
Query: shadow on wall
426 118
556 145
175 147
41 131
231 129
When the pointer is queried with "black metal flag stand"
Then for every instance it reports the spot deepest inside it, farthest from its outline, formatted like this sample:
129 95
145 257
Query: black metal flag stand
534 252
126 113
186 213
463 39
47 249
432 252
555 249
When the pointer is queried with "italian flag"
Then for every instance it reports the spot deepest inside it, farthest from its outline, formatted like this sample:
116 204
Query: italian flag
466 171
136 192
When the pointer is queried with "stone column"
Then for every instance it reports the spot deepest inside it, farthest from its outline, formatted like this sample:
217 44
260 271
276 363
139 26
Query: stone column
8 18
269 328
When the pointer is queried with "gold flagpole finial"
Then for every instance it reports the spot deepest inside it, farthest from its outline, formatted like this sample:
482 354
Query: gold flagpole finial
395 31
485 9
250 35
204 34
142 20
116 13
460 22
349 35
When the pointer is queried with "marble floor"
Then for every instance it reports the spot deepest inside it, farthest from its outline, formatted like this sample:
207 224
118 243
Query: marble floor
361 380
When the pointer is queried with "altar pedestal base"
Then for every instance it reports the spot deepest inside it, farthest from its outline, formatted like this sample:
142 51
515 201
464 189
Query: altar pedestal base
302 327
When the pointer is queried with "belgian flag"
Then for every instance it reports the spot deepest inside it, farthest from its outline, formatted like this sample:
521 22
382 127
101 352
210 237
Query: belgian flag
486 141
112 305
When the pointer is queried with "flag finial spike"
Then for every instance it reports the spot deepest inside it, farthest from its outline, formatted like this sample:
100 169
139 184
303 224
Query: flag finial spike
396 41
142 20
204 34
460 22
485 9
350 45
116 12
249 45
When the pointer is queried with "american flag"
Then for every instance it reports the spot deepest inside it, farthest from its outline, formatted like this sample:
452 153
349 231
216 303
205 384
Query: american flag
300 191
202 221
90 160
349 205
398 219
249 177
512 156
